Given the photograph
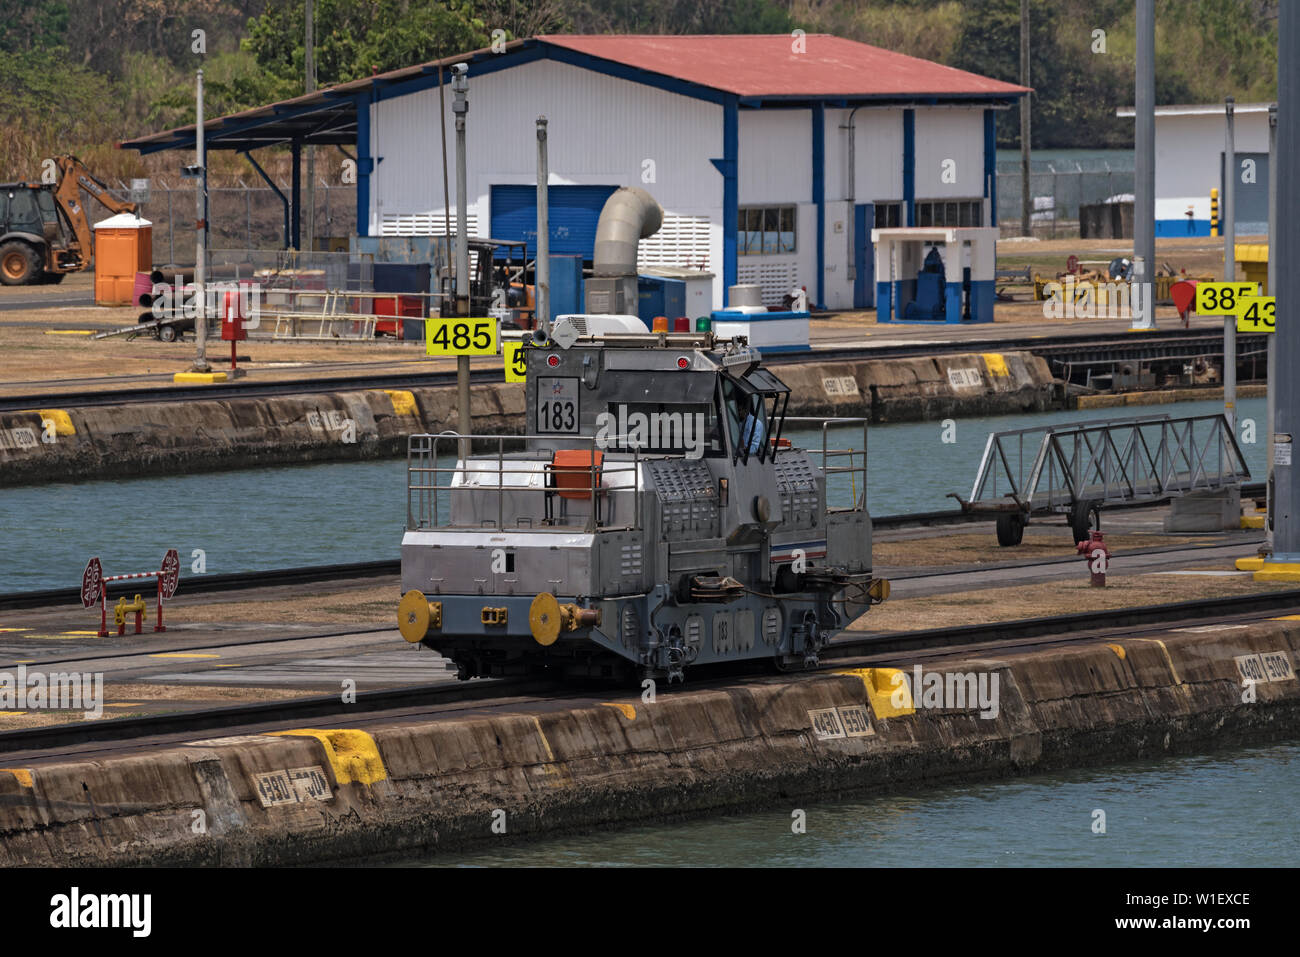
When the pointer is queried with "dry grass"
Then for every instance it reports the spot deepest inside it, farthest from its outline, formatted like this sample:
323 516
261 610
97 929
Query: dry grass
369 605
1054 598
972 548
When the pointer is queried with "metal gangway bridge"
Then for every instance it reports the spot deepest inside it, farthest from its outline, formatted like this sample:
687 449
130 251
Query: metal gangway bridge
1077 469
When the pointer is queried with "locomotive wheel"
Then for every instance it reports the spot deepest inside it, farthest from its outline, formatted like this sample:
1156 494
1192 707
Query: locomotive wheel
19 264
1011 529
1084 517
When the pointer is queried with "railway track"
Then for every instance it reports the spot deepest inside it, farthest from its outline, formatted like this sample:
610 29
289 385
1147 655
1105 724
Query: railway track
1088 347
311 574
1058 629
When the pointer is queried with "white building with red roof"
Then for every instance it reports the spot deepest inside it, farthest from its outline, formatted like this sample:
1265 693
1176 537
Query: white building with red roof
772 156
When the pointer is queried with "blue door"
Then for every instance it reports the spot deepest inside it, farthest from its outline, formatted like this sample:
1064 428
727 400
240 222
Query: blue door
573 212
864 257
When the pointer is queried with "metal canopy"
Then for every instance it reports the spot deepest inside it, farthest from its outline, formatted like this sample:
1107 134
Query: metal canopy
322 119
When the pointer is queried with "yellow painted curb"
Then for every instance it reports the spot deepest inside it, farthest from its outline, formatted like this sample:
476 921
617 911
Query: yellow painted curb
997 363
1252 521
353 754
628 711
1249 564
69 332
1278 572
403 401
882 685
62 421
202 378
1119 651
24 775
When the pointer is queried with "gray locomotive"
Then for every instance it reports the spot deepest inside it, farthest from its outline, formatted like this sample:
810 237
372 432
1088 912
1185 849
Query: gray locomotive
656 517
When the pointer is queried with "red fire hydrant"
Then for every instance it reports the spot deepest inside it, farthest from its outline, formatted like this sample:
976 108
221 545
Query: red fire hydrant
1096 553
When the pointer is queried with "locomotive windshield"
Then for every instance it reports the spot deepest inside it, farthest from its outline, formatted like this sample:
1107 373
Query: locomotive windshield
754 410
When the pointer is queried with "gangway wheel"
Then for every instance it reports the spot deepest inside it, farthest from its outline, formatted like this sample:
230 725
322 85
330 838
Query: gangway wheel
1011 528
1084 517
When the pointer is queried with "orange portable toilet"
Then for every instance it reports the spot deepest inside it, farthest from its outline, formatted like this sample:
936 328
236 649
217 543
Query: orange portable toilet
123 247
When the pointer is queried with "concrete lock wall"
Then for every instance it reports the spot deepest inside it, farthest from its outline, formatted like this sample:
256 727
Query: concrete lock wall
330 794
170 437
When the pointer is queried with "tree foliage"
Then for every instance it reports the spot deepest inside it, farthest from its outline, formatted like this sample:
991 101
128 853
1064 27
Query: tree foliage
75 75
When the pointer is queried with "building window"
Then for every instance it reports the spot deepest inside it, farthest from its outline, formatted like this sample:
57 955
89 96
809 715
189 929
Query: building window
766 231
889 215
950 212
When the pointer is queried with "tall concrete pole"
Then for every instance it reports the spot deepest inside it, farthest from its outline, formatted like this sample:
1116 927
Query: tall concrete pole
1286 523
542 297
460 107
1229 264
309 86
1272 291
201 228
1026 200
1144 170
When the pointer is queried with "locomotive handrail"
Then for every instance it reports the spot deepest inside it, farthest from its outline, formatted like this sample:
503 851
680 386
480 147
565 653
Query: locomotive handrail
829 454
426 497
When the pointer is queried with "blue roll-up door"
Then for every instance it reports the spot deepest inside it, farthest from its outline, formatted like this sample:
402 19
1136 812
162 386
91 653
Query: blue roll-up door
573 212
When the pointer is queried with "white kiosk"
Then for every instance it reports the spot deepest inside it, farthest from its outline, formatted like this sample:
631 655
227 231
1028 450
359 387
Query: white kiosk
935 274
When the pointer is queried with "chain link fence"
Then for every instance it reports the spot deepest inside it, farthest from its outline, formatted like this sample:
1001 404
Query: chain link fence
1058 190
242 217
253 217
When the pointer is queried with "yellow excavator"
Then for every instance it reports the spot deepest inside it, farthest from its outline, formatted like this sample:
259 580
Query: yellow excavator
44 233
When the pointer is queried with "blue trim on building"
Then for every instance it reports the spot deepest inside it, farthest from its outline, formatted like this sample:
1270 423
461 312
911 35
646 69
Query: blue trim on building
1178 227
909 165
819 195
365 165
864 260
728 167
991 165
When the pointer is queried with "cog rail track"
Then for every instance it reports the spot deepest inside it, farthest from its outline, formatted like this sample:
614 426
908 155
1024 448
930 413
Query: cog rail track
1061 627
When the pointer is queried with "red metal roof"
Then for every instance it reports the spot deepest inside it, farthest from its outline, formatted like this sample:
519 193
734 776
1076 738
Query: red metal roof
768 66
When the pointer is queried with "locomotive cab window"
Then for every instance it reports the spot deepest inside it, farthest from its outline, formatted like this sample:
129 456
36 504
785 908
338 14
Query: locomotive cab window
754 410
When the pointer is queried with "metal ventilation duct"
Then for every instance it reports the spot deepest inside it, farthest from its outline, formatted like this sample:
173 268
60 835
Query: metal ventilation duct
629 215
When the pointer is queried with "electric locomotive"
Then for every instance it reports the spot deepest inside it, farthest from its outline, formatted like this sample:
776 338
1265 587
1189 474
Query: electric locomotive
653 517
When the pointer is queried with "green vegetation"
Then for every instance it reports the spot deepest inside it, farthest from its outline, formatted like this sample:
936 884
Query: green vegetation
80 75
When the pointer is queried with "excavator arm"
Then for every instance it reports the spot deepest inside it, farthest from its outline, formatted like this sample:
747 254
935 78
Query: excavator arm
74 177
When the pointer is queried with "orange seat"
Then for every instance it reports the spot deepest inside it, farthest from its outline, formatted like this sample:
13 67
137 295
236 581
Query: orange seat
573 469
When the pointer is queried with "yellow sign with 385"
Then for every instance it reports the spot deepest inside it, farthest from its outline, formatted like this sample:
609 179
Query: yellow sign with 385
1220 298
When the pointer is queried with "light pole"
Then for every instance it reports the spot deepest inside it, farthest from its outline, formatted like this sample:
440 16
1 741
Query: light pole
1284 565
1229 265
201 244
460 107
542 299
1144 170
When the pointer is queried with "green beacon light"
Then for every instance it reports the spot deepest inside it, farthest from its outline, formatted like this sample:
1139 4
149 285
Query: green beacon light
703 324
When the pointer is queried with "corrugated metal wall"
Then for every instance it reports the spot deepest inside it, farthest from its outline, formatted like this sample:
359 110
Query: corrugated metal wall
613 132
949 133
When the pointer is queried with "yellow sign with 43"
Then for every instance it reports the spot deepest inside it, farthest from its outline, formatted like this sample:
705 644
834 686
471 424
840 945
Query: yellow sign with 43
1257 314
